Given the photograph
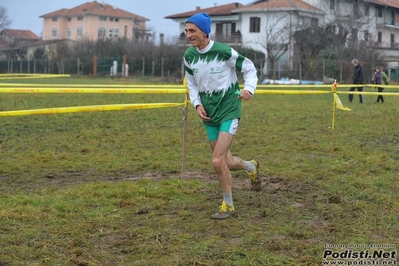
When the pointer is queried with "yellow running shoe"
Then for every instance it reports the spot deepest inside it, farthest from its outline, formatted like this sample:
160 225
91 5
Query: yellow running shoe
225 211
255 181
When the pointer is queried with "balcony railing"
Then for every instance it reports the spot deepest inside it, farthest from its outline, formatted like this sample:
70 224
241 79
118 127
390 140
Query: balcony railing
388 25
231 40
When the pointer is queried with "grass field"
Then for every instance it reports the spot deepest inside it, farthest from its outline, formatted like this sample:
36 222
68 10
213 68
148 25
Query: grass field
105 188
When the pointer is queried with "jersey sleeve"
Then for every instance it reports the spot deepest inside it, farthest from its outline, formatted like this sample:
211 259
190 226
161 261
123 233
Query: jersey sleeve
192 85
247 68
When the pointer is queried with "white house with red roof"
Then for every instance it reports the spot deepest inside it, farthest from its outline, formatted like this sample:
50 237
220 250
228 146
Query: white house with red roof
226 26
260 25
271 23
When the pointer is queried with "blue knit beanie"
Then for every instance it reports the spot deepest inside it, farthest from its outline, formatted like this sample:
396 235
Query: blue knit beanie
202 21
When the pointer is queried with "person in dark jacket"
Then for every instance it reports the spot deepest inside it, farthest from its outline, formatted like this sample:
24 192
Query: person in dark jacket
358 76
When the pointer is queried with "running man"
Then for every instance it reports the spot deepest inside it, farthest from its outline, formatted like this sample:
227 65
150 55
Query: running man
211 77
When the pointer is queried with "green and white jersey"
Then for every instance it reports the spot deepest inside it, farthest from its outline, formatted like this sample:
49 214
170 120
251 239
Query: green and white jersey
212 80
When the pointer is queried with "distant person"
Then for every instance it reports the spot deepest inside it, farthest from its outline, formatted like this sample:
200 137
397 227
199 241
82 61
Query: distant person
211 77
358 76
380 78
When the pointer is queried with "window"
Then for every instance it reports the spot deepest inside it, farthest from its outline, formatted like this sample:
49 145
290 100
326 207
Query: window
393 17
55 19
111 19
379 12
69 19
54 33
103 18
136 34
254 24
68 33
102 32
225 29
392 40
125 31
113 33
379 37
136 22
314 22
80 18
116 19
79 32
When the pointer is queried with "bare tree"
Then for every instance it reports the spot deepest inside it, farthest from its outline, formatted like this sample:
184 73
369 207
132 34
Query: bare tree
144 35
4 20
341 35
276 36
85 50
58 52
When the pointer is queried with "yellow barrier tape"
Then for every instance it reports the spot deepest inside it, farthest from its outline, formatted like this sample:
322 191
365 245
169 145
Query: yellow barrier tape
327 86
369 93
290 92
279 87
337 102
92 108
89 90
31 76
155 86
122 89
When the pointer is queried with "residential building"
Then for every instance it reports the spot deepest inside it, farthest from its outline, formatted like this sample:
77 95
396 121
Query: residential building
265 26
225 26
14 43
269 25
369 20
372 21
94 21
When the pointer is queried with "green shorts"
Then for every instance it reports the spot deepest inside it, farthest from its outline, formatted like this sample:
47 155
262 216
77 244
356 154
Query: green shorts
229 126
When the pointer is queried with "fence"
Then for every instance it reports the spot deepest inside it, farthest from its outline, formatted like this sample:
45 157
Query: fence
140 66
173 67
41 66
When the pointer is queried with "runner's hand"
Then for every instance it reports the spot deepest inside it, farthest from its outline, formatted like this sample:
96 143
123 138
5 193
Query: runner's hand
245 95
202 113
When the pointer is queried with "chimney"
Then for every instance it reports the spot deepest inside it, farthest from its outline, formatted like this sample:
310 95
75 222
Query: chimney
198 8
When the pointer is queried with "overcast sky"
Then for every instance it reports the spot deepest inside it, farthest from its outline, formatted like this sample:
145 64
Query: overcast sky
25 13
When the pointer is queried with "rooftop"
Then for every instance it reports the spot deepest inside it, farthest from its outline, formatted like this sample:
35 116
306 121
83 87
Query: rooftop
221 10
21 34
94 8
280 5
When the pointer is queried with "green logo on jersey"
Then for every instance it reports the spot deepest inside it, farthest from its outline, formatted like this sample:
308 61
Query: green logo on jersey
216 70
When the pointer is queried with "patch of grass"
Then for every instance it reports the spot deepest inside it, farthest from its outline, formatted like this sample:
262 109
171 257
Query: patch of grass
104 189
